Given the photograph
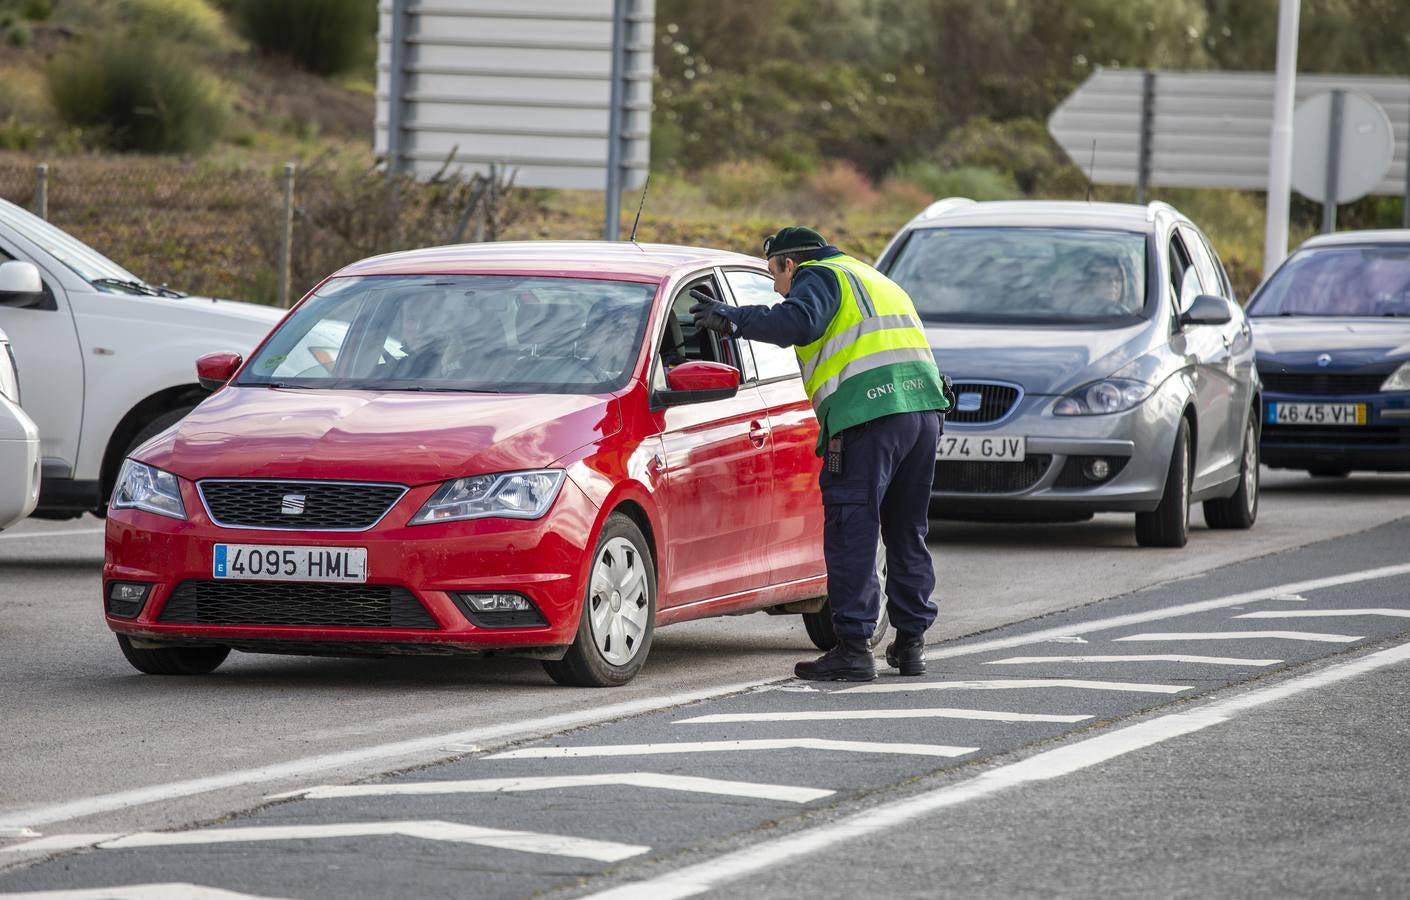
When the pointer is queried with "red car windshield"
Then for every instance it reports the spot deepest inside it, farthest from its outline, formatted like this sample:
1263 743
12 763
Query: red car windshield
1339 281
482 333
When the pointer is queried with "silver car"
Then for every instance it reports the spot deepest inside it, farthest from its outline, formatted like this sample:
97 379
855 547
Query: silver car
1100 364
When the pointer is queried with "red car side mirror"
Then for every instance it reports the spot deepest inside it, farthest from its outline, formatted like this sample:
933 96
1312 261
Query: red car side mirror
214 370
699 382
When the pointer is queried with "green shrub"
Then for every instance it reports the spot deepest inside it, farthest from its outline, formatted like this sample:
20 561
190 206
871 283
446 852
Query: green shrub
974 182
742 184
183 21
322 36
134 93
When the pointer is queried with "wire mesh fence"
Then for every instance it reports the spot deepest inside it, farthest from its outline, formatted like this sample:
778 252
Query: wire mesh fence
227 231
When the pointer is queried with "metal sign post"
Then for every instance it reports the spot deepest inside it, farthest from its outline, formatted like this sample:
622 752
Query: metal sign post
611 223
1329 204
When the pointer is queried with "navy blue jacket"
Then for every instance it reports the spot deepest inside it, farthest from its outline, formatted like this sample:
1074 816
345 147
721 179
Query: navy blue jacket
803 315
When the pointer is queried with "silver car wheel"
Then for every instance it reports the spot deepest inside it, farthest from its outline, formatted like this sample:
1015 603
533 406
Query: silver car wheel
618 607
1251 468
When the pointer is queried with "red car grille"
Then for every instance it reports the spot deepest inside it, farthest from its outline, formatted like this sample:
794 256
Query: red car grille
297 505
282 603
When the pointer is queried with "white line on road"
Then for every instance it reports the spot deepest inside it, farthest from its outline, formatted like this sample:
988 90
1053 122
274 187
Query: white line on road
302 768
36 535
1324 613
1001 684
729 746
430 830
1144 657
170 891
731 867
1243 635
306 766
1169 612
688 783
837 715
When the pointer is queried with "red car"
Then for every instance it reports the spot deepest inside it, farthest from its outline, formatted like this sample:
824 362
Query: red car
519 449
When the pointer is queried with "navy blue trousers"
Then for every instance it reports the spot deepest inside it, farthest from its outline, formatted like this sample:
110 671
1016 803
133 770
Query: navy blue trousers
883 490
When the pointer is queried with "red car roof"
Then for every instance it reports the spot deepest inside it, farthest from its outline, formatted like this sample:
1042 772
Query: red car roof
592 259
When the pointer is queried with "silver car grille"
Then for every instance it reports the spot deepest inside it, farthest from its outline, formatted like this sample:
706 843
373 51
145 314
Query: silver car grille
983 401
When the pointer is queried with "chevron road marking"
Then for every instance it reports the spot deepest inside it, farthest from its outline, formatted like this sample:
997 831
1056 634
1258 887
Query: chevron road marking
689 783
1149 657
1001 684
985 715
1243 635
170 891
430 830
735 746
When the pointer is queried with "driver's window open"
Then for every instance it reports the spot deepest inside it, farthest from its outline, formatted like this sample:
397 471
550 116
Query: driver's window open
681 341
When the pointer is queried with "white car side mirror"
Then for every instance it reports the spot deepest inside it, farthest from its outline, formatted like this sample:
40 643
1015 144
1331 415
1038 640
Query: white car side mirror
20 284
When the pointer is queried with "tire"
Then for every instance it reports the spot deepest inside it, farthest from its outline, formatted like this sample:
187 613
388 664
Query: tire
173 660
819 624
1328 472
1240 510
604 653
1168 525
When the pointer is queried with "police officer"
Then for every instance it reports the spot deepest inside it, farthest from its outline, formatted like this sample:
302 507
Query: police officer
874 385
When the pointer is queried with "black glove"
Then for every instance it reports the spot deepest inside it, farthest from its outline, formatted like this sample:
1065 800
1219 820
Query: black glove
707 314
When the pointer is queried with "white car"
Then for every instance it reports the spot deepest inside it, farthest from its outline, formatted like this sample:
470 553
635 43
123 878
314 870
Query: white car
19 446
106 360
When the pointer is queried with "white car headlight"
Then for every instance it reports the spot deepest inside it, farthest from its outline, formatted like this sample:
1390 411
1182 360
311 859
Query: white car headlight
1399 380
510 495
145 487
1110 395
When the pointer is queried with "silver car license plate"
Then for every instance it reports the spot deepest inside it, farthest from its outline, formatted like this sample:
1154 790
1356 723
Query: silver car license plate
992 447
268 562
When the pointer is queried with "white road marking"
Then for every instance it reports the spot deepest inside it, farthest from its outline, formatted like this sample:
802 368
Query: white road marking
430 830
1242 636
731 867
688 783
837 715
1169 612
729 746
37 535
306 766
1001 684
170 891
1324 613
1144 657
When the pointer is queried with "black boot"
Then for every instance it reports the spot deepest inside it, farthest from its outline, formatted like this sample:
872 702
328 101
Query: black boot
907 653
849 660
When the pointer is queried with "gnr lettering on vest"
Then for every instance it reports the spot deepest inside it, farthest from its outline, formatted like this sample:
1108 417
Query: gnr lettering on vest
910 384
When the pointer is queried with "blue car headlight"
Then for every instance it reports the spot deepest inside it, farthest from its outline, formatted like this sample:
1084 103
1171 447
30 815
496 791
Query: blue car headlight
509 495
140 486
1399 380
1110 395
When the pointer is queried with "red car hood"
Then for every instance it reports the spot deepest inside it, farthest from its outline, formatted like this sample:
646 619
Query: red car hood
409 438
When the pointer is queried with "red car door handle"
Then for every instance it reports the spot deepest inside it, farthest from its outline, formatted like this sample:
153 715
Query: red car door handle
758 433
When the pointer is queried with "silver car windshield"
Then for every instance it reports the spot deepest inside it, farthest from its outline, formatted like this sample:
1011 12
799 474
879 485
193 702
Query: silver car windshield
1339 281
1028 275
483 333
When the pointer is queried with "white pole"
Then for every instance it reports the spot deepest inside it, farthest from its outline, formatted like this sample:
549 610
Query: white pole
1275 243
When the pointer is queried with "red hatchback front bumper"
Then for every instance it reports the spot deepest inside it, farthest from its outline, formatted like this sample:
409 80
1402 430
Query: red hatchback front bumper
408 604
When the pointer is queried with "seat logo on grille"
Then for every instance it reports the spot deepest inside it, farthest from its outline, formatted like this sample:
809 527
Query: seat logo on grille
968 402
292 505
1324 360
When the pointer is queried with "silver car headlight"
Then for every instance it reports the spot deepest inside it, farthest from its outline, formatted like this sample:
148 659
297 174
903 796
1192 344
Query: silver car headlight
509 495
9 375
1110 395
1399 380
140 486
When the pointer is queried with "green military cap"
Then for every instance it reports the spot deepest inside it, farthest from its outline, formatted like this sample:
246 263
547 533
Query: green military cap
792 239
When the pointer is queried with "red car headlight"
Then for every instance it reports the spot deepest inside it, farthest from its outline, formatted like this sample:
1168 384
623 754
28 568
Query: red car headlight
510 495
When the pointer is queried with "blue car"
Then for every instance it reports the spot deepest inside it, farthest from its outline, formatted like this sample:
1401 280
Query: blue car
1332 331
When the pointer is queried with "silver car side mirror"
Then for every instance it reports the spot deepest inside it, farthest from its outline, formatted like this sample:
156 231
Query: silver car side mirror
1207 309
20 284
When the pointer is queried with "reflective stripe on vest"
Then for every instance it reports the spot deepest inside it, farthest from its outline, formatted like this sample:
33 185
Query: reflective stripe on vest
873 327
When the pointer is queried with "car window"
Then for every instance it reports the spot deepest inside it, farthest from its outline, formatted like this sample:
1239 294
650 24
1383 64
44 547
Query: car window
754 289
693 343
1184 278
1204 263
488 333
1338 281
1026 275
87 263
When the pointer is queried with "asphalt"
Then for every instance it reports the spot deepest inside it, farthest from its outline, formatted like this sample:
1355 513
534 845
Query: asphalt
681 828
